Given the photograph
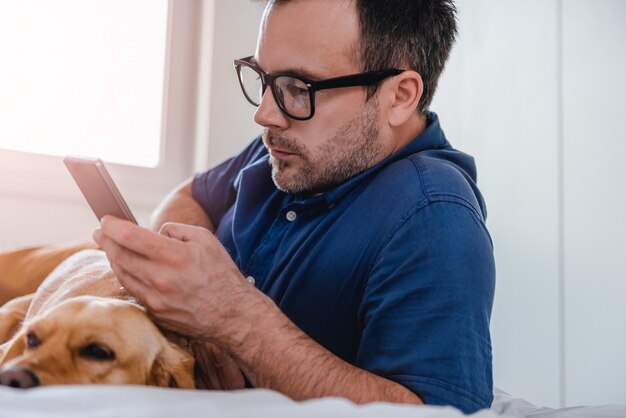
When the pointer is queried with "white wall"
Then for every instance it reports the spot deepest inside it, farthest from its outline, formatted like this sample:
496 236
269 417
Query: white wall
594 155
231 126
535 91
225 123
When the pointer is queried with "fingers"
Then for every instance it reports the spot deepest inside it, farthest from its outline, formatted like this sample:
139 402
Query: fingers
183 232
122 260
203 242
132 284
134 271
118 237
151 266
161 246
130 236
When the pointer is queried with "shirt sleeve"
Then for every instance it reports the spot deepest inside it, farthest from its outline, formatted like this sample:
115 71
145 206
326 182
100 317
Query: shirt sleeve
216 189
426 307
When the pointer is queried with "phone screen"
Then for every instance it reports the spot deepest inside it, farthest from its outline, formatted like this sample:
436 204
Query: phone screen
98 187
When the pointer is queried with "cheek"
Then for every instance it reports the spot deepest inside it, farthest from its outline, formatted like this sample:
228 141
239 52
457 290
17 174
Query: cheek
97 373
58 370
337 106
313 140
330 117
121 376
132 372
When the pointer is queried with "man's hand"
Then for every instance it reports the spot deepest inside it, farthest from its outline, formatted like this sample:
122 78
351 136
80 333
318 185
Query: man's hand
183 276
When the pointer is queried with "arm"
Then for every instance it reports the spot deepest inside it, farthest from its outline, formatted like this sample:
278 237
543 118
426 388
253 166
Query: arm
190 284
275 354
180 206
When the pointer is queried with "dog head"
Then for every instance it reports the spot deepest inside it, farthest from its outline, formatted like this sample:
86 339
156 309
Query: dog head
94 340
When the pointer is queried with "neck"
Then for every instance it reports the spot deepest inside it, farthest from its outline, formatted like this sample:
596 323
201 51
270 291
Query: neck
409 131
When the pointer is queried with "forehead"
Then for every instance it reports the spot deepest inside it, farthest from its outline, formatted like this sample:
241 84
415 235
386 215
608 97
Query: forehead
316 35
76 317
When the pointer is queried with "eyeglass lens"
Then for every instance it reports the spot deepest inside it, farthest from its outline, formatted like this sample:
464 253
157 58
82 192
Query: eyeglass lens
291 93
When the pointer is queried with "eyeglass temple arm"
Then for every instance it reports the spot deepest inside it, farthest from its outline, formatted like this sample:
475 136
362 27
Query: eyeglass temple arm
363 79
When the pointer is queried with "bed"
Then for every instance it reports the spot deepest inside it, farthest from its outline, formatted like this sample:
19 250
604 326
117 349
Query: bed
141 401
24 269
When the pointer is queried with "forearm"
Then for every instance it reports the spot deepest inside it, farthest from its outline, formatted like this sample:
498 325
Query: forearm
277 355
180 206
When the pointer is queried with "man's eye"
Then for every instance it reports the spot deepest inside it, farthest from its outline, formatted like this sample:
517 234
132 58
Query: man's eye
295 90
32 340
96 351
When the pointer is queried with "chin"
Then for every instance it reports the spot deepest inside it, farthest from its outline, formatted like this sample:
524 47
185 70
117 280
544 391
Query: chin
288 179
294 187
283 186
282 179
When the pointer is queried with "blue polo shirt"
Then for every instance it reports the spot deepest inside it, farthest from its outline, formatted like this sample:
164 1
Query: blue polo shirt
392 271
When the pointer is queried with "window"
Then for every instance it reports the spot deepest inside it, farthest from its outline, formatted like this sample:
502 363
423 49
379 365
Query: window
115 79
83 77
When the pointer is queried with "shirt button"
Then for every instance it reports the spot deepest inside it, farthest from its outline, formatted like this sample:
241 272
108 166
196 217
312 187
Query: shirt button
250 280
291 216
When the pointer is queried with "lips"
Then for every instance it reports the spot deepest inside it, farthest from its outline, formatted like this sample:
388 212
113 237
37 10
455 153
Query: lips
280 146
280 153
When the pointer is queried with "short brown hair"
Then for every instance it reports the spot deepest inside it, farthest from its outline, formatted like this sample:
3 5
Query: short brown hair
407 34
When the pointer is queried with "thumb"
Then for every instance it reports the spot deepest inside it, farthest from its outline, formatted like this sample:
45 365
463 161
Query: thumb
182 232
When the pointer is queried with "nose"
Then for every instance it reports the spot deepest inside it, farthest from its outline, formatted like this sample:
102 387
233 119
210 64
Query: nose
18 377
268 114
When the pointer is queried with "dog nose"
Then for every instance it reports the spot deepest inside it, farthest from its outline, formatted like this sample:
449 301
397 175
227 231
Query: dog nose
18 377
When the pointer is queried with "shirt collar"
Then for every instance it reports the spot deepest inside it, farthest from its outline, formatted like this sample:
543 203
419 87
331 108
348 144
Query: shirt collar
431 138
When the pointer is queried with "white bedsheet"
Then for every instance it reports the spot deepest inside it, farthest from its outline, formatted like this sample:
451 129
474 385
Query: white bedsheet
508 405
140 401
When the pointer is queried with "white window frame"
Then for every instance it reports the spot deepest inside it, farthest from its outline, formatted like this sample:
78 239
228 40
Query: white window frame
40 176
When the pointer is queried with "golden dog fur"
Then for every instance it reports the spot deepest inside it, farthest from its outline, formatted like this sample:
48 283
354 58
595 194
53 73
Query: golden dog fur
80 326
23 270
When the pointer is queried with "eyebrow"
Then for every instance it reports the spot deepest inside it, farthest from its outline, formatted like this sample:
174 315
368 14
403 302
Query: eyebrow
295 71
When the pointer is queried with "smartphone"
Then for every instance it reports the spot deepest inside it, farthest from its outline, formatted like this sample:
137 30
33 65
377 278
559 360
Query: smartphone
97 186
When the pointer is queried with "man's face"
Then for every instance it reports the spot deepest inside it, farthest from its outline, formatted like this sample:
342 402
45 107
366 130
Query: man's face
317 39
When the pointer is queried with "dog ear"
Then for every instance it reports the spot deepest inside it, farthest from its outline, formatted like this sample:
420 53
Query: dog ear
13 348
173 368
12 315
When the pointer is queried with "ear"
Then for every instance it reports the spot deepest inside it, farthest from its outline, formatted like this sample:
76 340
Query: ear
406 93
12 314
173 368
13 348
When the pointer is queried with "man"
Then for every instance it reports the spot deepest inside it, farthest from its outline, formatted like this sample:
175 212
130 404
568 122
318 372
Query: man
360 228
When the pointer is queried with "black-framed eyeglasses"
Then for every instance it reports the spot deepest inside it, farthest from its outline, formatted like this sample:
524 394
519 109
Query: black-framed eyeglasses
294 94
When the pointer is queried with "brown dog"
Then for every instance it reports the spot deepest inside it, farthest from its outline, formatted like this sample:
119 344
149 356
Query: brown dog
82 327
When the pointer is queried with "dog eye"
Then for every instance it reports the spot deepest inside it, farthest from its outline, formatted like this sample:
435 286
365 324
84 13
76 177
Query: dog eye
96 352
32 340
